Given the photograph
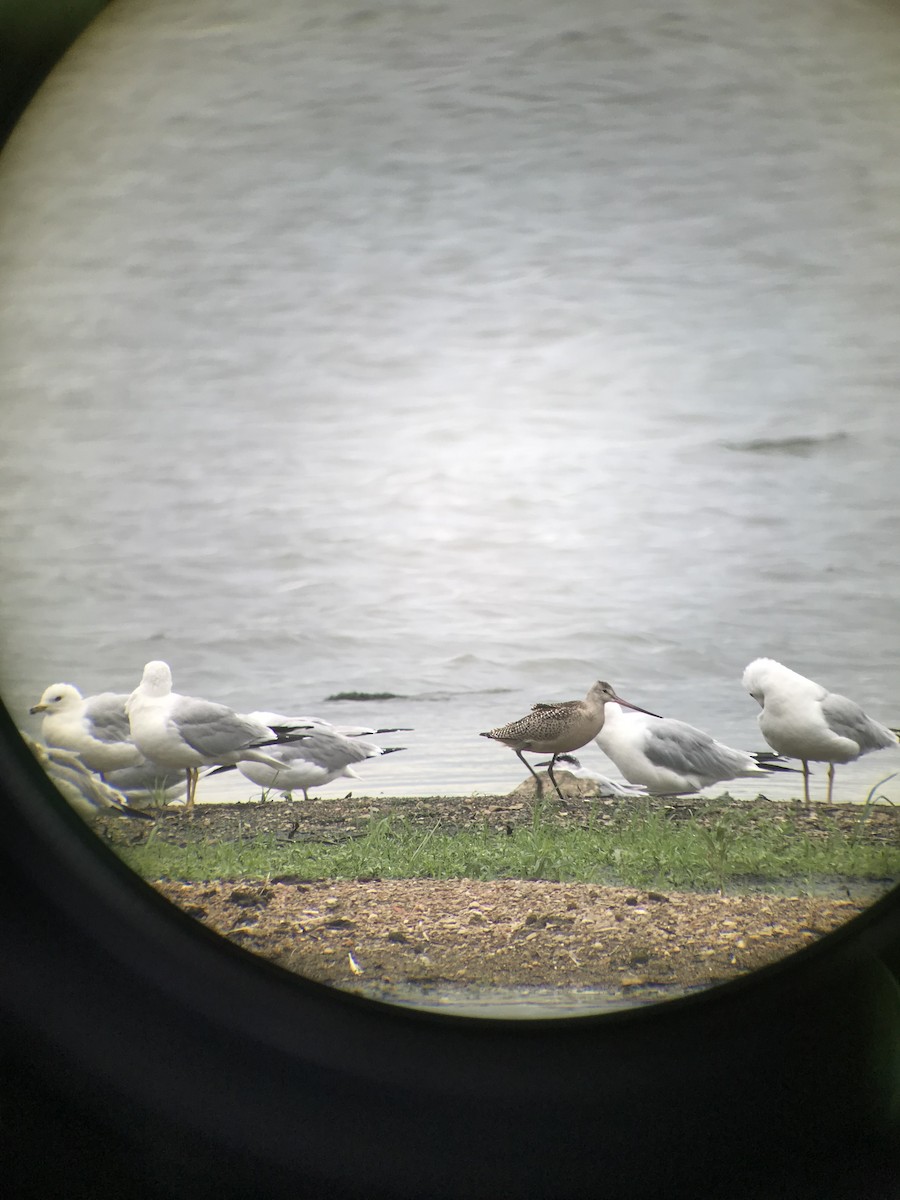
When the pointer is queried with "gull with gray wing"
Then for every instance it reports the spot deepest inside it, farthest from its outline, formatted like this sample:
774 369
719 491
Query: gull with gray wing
802 719
314 760
670 758
94 727
189 732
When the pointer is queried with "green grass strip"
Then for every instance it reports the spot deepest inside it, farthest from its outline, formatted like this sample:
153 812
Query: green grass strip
646 850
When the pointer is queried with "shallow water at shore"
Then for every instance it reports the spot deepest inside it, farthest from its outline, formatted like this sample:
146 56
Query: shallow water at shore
524 1004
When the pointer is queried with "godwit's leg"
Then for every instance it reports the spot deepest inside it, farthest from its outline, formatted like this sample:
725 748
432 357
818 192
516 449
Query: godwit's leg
553 777
830 781
537 780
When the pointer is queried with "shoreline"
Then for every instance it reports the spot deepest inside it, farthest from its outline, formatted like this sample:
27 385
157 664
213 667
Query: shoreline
497 946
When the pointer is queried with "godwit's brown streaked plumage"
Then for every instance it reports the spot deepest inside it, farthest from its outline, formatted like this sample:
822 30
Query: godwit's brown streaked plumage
558 728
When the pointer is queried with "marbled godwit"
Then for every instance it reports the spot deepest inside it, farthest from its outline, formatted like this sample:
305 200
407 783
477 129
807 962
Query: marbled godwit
190 733
670 757
804 720
316 759
558 728
93 727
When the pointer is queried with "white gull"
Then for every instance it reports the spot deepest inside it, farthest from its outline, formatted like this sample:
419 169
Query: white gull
316 759
671 758
189 732
93 727
803 719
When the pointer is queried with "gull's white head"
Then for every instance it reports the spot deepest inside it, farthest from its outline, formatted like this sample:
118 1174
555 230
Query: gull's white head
156 680
767 676
759 675
58 697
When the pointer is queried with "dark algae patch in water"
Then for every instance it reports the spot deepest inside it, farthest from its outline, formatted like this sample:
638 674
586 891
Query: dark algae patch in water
364 696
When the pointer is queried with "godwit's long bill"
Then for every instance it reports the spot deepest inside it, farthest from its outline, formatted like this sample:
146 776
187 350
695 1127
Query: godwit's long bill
560 728
804 720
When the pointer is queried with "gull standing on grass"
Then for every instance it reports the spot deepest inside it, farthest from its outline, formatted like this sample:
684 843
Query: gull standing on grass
671 758
316 759
560 728
94 727
804 720
190 733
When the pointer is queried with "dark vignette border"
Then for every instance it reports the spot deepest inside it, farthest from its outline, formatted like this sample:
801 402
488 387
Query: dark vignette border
142 1056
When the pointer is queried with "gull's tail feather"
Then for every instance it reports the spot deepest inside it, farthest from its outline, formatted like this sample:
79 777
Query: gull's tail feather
770 761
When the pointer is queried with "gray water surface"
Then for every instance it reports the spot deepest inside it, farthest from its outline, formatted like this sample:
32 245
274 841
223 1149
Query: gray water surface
467 352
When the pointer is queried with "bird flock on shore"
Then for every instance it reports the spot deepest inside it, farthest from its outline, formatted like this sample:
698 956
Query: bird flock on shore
114 751
155 742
